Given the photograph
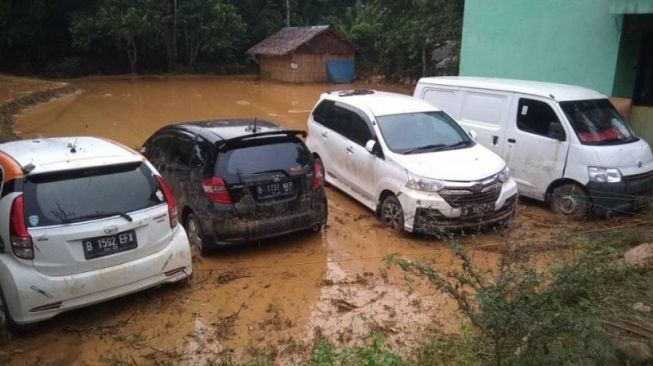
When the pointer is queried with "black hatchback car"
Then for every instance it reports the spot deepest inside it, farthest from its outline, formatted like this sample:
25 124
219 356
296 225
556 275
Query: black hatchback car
239 181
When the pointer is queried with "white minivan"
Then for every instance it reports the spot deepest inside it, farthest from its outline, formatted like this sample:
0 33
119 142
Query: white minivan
408 161
565 145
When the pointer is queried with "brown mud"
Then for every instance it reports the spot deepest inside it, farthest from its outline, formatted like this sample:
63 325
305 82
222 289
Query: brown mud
275 294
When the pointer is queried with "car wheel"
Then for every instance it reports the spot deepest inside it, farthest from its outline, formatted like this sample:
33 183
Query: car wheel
195 235
392 215
570 200
7 322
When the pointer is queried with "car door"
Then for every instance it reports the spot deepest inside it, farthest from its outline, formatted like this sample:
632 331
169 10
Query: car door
178 166
330 128
359 173
536 144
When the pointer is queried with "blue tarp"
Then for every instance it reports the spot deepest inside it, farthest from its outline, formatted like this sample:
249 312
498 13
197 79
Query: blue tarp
340 71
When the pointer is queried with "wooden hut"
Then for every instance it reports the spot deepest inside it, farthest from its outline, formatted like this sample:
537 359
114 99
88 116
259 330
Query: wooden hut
301 54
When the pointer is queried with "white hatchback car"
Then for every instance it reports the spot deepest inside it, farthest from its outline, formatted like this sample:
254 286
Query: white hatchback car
82 220
409 162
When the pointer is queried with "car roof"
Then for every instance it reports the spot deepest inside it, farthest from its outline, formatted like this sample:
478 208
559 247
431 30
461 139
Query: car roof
57 153
380 103
225 129
559 92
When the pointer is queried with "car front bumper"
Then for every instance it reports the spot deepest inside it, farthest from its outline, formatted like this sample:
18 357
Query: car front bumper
32 296
427 212
632 193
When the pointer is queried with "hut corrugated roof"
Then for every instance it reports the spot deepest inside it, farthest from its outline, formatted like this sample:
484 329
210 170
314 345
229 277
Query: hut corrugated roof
289 39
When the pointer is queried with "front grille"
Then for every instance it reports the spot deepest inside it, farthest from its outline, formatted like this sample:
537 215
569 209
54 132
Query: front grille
481 194
640 184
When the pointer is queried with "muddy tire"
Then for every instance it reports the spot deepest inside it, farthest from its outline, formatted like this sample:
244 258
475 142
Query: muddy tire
196 236
392 215
570 200
7 324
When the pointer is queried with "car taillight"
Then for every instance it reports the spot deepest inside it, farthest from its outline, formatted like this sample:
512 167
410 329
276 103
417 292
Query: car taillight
170 200
216 190
21 241
318 177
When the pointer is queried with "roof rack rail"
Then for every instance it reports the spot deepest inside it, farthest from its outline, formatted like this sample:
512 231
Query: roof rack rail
349 93
223 144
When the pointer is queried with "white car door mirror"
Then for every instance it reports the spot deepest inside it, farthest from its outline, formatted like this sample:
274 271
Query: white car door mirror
369 146
473 135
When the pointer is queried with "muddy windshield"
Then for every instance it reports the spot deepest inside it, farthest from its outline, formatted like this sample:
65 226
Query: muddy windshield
413 133
75 196
597 122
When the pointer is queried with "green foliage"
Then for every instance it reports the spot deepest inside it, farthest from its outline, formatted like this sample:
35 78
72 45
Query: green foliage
373 353
550 316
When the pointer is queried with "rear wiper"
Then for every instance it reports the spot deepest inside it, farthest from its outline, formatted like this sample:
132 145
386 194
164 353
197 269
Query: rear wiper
97 216
432 147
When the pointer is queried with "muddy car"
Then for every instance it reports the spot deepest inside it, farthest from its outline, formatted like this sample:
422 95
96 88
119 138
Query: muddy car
82 220
239 181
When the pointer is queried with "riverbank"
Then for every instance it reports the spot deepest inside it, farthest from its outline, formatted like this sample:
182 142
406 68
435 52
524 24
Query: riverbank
17 94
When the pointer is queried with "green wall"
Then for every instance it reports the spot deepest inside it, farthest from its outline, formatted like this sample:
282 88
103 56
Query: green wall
567 41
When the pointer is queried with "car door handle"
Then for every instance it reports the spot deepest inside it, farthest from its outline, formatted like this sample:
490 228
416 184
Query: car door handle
512 141
495 140
350 150
325 135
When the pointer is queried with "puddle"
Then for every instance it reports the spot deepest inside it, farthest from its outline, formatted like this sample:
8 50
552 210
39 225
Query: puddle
275 293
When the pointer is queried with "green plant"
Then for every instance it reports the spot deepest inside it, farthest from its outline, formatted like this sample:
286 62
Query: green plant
373 353
526 314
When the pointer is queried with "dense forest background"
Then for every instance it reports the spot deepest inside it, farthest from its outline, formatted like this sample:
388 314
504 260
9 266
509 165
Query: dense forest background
65 38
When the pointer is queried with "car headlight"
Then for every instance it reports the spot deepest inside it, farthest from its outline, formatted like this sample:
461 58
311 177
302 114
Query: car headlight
504 175
604 175
423 184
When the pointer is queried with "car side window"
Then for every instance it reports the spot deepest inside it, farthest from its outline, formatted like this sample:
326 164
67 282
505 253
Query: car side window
181 150
201 154
536 117
351 125
159 149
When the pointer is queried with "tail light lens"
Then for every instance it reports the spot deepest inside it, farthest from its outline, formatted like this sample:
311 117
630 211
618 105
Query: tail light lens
216 190
318 177
170 200
21 241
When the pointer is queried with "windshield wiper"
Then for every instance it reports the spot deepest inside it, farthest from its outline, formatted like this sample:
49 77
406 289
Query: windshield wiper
459 144
432 147
97 216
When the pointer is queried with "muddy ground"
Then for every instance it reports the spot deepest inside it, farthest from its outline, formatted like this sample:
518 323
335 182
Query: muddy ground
273 294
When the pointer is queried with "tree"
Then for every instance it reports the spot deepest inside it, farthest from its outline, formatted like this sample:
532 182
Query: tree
125 21
211 27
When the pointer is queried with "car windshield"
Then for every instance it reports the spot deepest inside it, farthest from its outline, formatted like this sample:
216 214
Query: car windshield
421 132
74 196
597 122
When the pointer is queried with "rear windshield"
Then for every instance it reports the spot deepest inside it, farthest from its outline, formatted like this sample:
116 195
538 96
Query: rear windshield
279 154
81 195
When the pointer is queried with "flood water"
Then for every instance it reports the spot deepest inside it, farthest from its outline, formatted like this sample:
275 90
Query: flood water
276 293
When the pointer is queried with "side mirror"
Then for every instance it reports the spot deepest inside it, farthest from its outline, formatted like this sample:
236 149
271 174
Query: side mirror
556 131
369 146
473 135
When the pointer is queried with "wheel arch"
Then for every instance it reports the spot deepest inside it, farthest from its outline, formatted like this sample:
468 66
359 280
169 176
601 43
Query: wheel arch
384 193
560 182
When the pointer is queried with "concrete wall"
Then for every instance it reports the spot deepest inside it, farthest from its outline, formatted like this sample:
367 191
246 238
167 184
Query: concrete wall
567 41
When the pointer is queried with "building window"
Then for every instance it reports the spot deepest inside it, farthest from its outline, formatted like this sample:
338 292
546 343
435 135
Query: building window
644 80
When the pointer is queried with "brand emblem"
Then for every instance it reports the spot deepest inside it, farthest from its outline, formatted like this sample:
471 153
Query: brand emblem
276 178
639 163
478 187
111 230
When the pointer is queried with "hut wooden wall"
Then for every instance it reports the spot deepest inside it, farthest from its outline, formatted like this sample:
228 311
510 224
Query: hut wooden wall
311 67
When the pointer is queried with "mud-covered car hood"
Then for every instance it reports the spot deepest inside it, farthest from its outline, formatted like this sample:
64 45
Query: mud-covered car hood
468 164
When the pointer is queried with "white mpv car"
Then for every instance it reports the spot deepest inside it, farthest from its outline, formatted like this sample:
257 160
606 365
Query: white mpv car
409 161
82 220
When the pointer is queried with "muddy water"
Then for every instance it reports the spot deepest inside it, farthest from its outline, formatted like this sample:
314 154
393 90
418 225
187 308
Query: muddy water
276 293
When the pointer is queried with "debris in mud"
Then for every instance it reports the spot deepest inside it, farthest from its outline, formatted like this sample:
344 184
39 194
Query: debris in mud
230 276
343 305
224 326
277 322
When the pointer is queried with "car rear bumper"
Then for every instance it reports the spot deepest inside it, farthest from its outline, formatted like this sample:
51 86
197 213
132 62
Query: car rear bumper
225 227
32 296
632 193
427 212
